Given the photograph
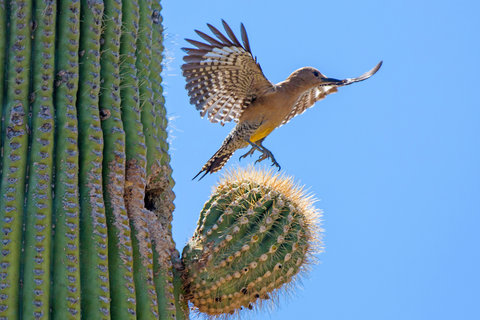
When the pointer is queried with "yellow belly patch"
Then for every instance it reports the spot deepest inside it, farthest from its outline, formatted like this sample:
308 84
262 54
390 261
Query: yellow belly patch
260 133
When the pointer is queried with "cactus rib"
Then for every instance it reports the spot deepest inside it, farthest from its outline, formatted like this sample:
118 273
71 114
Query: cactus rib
39 207
3 47
120 252
93 227
15 146
66 255
147 307
148 116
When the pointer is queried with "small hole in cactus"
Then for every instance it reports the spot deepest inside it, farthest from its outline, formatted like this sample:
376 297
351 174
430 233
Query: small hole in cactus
250 306
104 114
218 299
257 296
244 290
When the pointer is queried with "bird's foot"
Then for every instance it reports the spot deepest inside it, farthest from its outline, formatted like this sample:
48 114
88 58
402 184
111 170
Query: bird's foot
249 153
265 153
268 154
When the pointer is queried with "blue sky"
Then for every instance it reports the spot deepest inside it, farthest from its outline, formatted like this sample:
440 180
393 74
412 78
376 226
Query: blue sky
394 160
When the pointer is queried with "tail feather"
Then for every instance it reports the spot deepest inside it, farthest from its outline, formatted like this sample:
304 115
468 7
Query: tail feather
235 140
216 162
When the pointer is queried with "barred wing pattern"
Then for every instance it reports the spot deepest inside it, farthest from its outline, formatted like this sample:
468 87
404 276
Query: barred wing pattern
309 97
223 77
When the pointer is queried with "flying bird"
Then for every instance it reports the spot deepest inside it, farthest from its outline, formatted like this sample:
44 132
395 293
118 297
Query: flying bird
226 83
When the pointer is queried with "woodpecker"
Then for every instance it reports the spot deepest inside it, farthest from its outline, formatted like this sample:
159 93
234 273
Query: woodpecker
225 82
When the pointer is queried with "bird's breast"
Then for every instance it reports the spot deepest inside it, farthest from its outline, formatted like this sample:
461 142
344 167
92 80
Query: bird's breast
261 133
269 111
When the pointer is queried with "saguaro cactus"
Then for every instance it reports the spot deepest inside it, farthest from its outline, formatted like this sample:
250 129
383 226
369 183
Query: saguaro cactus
83 141
86 195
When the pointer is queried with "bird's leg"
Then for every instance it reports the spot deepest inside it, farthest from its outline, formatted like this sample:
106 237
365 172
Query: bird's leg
265 153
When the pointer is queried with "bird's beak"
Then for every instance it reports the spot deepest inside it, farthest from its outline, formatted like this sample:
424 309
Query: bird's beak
345 82
332 82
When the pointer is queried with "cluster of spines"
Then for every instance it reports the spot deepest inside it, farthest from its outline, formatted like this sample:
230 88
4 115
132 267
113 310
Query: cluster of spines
251 239
64 160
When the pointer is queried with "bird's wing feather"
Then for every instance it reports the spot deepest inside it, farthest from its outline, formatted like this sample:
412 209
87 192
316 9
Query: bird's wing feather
308 99
222 75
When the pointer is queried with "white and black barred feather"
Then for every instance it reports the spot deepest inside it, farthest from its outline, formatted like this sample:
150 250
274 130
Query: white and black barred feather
223 77
308 99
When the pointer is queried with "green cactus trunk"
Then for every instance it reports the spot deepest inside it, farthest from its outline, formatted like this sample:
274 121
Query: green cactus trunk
86 189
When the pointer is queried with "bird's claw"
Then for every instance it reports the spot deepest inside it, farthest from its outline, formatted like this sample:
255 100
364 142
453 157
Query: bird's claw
249 153
275 163
261 158
267 154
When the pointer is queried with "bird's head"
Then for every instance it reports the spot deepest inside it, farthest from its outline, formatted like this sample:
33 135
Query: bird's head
311 77
308 77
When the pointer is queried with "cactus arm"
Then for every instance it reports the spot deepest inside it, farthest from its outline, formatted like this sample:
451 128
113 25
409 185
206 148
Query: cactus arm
93 227
15 146
254 236
147 307
120 252
38 230
66 271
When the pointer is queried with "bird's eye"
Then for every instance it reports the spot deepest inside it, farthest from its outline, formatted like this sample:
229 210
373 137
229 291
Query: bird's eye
315 73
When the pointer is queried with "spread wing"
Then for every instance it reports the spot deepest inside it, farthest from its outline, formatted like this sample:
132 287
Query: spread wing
309 97
222 75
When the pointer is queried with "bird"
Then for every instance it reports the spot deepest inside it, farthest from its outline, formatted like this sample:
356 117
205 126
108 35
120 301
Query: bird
225 82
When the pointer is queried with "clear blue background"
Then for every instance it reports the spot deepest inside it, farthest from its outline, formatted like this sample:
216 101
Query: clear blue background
394 160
